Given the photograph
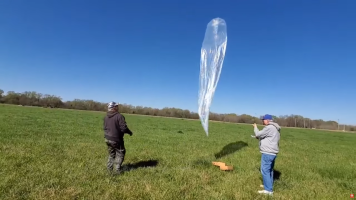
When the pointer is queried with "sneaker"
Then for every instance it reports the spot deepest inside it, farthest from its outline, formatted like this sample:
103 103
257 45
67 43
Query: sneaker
265 192
118 172
261 186
109 171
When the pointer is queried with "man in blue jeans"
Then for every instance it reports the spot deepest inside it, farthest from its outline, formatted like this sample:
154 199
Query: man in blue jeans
269 147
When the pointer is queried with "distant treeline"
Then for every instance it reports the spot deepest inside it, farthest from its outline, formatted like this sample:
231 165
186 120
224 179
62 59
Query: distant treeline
52 101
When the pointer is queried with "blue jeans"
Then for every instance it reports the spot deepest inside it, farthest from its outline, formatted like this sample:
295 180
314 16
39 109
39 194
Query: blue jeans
267 164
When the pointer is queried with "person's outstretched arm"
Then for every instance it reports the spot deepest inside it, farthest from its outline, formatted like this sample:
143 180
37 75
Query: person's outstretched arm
123 125
260 133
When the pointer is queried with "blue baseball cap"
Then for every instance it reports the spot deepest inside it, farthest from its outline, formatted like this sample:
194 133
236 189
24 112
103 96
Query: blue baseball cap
267 117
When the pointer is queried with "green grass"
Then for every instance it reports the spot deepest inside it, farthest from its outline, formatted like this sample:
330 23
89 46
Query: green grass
61 154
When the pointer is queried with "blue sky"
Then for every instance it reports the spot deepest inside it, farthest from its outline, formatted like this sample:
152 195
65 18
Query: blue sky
282 57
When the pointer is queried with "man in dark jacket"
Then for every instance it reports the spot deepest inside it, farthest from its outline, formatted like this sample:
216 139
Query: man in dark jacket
115 127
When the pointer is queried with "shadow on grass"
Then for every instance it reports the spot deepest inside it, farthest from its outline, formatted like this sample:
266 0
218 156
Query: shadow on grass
231 148
140 164
276 174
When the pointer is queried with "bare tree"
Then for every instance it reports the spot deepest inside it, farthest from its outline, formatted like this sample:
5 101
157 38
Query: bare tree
32 98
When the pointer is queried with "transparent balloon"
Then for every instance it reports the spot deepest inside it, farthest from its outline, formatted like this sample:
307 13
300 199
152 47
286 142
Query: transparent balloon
211 62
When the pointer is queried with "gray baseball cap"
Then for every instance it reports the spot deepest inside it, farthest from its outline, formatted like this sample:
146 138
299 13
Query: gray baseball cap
112 104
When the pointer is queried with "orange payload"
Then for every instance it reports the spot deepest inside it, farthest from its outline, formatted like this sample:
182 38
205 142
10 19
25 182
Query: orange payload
222 166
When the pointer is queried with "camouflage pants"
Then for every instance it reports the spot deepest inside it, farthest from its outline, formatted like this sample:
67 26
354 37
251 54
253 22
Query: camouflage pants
117 151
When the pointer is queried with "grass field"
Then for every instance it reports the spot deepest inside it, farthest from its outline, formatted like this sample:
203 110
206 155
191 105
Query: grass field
61 154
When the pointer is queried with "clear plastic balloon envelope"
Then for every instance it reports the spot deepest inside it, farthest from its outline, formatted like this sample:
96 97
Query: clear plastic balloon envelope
211 62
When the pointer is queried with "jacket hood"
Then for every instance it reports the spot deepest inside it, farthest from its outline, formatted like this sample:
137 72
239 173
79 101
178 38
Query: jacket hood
111 113
276 125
